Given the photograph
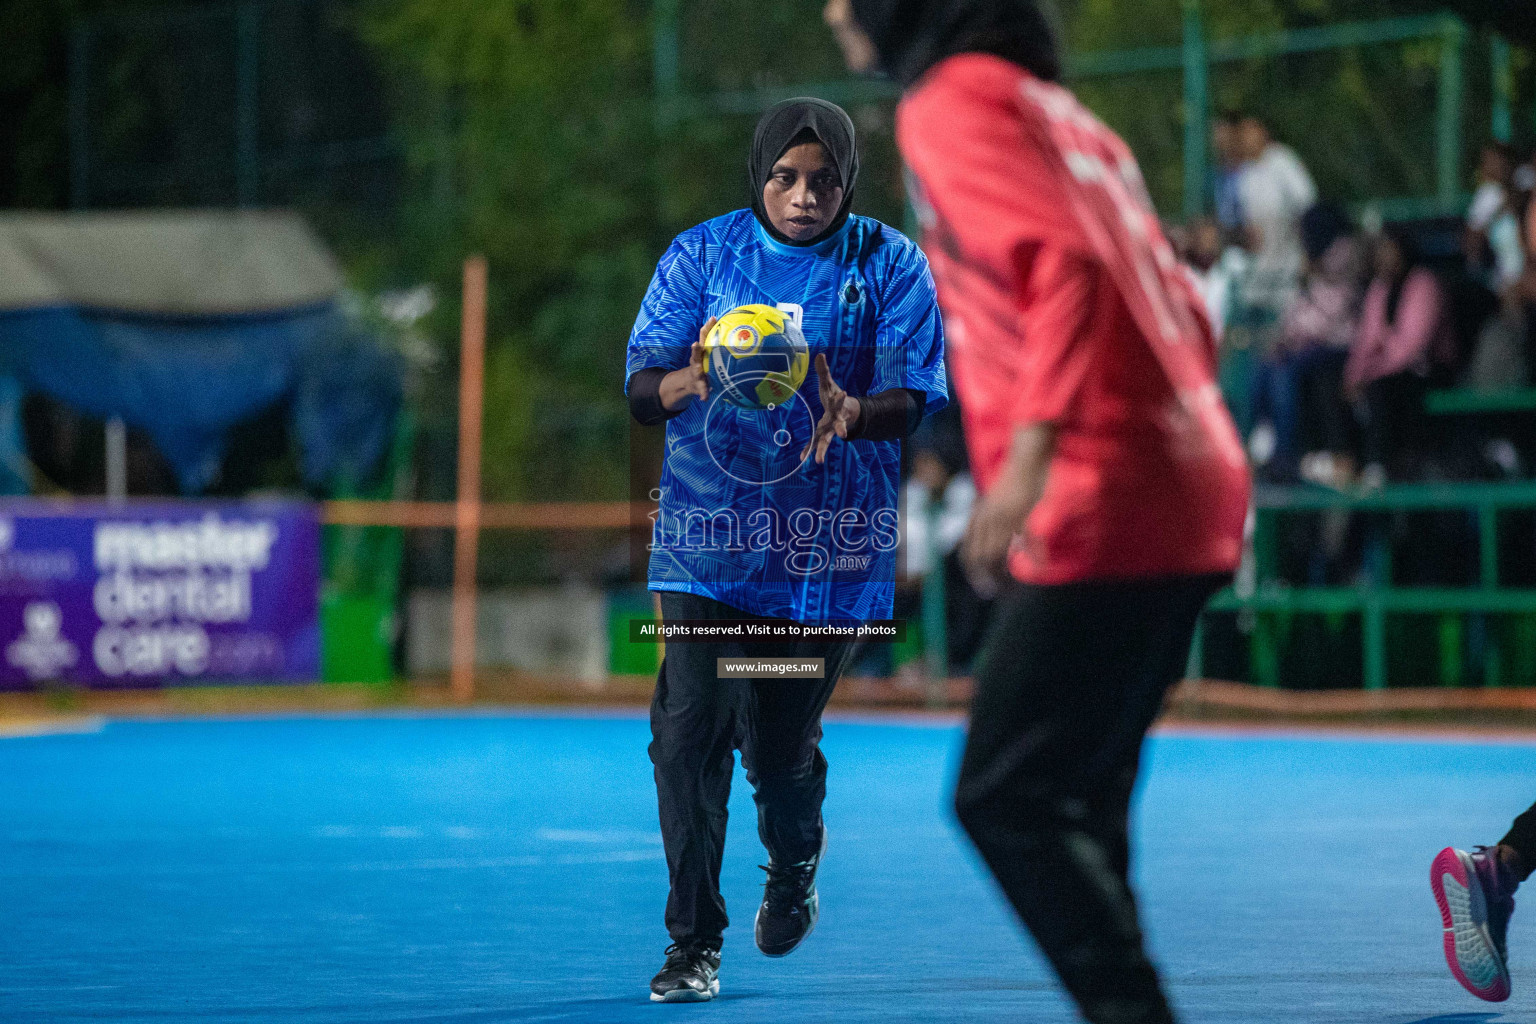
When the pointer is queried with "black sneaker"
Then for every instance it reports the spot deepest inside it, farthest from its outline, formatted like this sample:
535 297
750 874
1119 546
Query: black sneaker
790 904
690 975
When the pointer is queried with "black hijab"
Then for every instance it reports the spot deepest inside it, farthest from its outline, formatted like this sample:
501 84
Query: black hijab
780 128
912 36
1321 226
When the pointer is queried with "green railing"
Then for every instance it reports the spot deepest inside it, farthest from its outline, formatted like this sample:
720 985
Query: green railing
1272 600
244 37
242 25
1195 57
1465 401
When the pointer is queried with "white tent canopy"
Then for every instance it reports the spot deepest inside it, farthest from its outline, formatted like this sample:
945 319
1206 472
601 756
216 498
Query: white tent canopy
163 262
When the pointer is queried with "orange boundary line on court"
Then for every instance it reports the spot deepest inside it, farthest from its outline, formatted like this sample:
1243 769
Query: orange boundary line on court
1245 697
420 515
1387 732
426 515
61 725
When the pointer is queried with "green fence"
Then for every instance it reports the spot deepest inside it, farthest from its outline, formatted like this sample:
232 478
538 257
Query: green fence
1196 60
228 103
1273 603
247 102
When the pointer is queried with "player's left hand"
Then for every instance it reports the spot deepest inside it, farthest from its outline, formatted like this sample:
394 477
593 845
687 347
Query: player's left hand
995 522
839 412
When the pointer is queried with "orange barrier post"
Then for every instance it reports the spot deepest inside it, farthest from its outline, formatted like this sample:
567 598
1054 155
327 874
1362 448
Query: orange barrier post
466 537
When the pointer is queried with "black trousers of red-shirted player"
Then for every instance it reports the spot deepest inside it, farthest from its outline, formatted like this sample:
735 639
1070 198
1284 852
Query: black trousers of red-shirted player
1070 681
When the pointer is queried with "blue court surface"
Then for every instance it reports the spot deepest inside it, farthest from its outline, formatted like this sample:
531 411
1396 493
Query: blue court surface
470 870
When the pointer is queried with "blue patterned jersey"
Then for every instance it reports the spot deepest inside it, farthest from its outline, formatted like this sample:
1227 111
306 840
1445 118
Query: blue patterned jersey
742 519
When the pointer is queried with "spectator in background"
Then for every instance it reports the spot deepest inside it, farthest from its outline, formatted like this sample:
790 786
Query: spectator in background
1523 185
1492 263
1203 253
1522 190
938 495
938 502
1305 374
1313 341
1502 355
1218 268
1523 295
1530 211
1520 299
1323 322
1275 189
1506 241
1227 174
1404 335
1495 168
1493 245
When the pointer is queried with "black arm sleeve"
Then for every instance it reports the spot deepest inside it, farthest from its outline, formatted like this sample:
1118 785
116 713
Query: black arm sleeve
645 397
889 416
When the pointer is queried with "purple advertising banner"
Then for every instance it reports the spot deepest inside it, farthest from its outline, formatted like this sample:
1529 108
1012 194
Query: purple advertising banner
145 593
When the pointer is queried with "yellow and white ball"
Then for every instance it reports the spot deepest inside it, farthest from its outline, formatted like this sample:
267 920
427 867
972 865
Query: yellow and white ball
756 357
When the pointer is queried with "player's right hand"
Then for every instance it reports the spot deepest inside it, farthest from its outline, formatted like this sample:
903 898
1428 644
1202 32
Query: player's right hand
680 387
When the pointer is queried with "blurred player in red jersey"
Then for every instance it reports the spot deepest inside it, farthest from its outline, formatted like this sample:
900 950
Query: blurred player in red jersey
1115 486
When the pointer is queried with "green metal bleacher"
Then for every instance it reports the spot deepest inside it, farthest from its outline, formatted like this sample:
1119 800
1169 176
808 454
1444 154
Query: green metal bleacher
1271 602
1465 401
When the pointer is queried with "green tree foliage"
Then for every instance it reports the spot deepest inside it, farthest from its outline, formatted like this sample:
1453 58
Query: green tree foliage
528 127
31 90
534 138
34 132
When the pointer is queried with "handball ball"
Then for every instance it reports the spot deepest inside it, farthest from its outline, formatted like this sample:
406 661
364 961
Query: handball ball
757 357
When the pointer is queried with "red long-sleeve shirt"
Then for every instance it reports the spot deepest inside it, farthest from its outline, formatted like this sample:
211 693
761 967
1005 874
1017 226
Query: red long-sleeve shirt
1064 305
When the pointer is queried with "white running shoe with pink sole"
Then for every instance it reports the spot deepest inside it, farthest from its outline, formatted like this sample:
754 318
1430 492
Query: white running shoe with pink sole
1475 904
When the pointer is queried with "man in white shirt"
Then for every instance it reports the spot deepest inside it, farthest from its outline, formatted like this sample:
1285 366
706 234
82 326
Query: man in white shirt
1276 189
1494 250
1495 167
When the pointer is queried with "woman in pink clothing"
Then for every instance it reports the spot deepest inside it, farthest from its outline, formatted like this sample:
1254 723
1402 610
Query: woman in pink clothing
1530 231
1404 336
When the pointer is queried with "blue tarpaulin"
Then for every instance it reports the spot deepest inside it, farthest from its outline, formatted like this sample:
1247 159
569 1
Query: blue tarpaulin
13 473
225 316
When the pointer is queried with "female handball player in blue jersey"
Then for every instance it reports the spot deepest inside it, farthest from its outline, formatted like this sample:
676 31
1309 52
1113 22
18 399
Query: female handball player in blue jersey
786 513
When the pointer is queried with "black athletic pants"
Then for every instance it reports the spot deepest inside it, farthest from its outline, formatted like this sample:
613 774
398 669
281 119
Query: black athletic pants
697 722
1066 689
1522 837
